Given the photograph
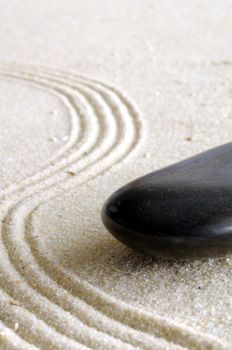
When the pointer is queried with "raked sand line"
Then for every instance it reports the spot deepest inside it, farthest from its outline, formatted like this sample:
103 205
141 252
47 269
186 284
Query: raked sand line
109 141
9 340
78 331
45 287
90 127
24 293
33 328
76 121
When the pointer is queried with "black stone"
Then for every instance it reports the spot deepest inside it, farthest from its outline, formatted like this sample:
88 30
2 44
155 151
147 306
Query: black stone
181 211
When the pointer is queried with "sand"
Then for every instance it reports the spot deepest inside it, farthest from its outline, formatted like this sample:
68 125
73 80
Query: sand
93 95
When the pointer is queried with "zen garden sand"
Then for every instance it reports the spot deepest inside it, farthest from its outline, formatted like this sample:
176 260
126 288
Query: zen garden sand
92 95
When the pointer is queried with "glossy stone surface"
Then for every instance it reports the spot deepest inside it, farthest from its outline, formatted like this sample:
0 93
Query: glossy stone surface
181 211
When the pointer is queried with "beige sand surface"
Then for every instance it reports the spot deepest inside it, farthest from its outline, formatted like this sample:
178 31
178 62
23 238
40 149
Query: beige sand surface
92 95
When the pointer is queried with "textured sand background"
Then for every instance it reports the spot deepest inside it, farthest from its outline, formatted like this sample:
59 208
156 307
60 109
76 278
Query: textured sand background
92 95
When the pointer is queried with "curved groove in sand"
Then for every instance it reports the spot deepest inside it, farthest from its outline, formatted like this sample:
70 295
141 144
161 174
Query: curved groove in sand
66 99
18 220
10 340
88 121
50 338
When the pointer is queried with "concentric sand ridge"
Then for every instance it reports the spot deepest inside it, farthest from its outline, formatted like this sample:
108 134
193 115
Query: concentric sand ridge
65 305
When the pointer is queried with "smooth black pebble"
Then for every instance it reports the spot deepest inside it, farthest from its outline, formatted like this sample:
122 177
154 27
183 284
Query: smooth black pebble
182 211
